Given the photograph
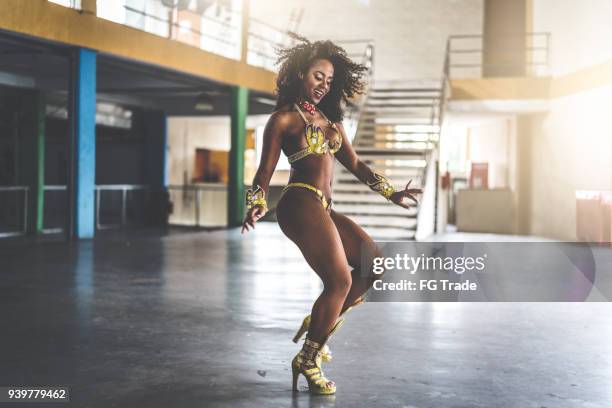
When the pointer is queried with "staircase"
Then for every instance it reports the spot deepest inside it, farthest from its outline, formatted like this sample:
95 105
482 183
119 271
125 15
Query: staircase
398 128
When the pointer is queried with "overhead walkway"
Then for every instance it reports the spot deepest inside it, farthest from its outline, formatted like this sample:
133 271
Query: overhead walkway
82 28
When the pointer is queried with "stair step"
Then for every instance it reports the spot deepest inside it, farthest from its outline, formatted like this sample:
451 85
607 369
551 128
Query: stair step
399 109
416 116
373 112
365 221
358 198
382 164
406 124
381 120
400 172
390 135
395 97
360 188
399 159
348 182
399 128
405 137
390 234
384 209
371 140
391 146
397 103
372 153
406 90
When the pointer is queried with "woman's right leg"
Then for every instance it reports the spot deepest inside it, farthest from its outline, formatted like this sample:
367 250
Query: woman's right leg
303 219
360 252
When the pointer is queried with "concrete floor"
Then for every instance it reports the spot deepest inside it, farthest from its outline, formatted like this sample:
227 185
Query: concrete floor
205 320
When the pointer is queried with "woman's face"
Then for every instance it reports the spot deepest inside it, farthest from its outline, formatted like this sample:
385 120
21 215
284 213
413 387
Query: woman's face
318 79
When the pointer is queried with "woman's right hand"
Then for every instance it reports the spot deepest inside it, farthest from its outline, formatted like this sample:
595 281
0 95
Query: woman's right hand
251 217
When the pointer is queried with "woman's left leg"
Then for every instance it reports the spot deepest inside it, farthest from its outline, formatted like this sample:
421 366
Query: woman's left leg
360 252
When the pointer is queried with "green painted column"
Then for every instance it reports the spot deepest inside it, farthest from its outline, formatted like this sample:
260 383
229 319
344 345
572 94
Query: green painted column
32 156
235 188
40 159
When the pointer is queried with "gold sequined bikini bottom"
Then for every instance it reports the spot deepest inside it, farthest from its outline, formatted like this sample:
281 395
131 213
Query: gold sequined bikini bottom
326 204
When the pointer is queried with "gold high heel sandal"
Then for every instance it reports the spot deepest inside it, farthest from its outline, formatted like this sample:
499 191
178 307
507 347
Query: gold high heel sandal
307 363
325 352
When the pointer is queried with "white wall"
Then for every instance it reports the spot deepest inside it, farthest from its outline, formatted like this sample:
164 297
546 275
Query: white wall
581 32
490 142
480 138
569 149
186 134
409 35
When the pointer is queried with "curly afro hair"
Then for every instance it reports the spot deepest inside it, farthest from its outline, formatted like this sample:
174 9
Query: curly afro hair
348 76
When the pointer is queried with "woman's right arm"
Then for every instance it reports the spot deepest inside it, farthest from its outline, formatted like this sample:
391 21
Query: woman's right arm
272 142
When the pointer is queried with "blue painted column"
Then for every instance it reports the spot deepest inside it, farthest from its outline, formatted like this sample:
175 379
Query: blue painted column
82 168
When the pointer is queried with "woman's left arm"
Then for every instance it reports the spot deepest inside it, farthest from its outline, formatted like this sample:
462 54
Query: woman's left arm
377 182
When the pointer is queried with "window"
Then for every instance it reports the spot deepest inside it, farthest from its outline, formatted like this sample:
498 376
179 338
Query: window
75 4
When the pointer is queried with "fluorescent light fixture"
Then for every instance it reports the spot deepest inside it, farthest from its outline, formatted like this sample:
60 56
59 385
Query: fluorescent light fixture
204 103
266 101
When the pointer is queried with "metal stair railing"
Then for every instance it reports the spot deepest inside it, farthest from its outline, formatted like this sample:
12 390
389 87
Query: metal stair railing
465 55
366 58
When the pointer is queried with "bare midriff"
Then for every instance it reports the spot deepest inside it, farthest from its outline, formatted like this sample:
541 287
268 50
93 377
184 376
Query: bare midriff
315 170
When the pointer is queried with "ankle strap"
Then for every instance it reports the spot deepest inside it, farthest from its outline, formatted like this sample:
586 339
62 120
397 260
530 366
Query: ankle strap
312 344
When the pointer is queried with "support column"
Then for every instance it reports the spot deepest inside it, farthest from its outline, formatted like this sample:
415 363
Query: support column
244 42
235 188
89 6
156 172
32 156
155 127
504 38
82 145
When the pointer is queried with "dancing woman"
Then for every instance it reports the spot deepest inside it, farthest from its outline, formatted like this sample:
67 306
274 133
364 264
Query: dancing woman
314 81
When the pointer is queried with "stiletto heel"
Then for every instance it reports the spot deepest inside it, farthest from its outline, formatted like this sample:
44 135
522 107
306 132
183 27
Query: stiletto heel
303 329
296 373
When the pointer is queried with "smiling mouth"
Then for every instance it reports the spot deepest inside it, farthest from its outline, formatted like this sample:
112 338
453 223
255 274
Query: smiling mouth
318 94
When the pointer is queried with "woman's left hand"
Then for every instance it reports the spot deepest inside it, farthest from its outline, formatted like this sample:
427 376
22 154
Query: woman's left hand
398 196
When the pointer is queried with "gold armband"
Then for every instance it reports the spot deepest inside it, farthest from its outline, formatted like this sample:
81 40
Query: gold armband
256 197
382 186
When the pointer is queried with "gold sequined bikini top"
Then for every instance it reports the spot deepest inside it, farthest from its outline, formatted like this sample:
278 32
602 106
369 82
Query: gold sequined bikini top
315 137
